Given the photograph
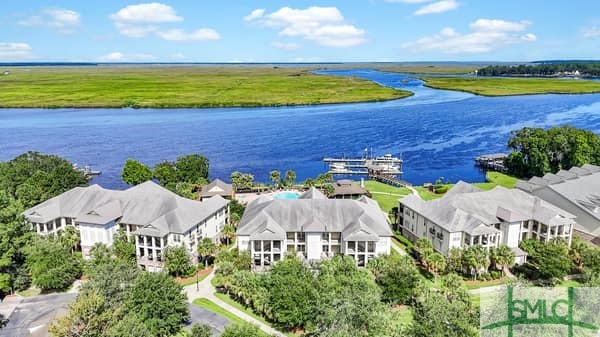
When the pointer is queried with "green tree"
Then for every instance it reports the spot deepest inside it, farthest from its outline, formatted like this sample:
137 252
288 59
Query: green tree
206 249
130 326
328 189
87 317
38 177
502 257
51 264
100 254
454 261
112 281
579 248
192 168
243 330
228 233
159 303
135 173
476 259
436 262
166 174
424 249
290 176
123 247
14 238
292 293
275 177
398 276
236 211
200 330
309 182
177 261
70 237
242 181
551 259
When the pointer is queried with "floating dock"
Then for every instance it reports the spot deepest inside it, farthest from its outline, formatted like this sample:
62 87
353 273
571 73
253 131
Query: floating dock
494 162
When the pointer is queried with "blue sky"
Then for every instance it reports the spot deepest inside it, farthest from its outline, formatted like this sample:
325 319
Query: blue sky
299 31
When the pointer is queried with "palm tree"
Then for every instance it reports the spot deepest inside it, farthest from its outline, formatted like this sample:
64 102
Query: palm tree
228 232
476 258
290 176
436 262
424 248
69 236
275 177
206 248
578 250
234 219
502 257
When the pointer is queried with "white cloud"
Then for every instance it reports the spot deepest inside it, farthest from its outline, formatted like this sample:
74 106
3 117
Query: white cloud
255 14
178 56
179 35
15 51
591 32
499 25
120 57
62 20
409 1
286 45
141 20
324 25
438 7
146 13
486 35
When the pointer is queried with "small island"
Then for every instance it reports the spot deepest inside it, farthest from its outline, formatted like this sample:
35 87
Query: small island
505 86
191 86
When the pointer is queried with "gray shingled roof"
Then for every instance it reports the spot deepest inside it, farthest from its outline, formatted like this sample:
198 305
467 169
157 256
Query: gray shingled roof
216 187
579 185
147 204
348 187
467 209
266 218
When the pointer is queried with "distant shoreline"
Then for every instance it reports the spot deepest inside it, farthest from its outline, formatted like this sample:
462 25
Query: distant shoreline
512 86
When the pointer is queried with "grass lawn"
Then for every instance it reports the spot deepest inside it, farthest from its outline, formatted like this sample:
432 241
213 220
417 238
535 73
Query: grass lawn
386 196
225 298
212 306
493 179
501 86
189 86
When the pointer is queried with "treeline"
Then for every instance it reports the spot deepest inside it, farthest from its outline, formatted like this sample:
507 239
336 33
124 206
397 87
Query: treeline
586 69
336 298
537 151
25 258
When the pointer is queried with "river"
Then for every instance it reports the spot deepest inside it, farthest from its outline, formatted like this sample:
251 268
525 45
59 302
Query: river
437 132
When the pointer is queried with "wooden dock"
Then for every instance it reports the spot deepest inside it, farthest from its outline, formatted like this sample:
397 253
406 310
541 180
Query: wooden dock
389 180
494 162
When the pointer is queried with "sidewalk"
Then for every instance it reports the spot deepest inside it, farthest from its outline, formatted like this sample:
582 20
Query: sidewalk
8 305
206 290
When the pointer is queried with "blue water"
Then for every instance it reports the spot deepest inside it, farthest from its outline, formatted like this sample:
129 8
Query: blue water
437 132
286 196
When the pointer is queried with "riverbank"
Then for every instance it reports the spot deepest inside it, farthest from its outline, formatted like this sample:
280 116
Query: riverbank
512 86
182 87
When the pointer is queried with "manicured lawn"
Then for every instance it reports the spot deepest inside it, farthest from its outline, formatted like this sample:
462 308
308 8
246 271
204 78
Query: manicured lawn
501 179
425 194
500 86
386 196
189 86
225 298
212 306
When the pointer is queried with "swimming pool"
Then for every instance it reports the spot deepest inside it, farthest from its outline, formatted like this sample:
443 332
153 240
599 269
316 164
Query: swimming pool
286 195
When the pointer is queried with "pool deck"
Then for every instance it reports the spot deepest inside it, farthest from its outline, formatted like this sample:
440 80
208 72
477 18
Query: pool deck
245 198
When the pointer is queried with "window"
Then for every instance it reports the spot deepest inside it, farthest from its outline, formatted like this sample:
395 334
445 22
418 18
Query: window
336 236
325 249
257 246
276 245
141 252
140 239
267 246
351 245
301 237
157 242
325 236
361 246
371 247
290 235
176 238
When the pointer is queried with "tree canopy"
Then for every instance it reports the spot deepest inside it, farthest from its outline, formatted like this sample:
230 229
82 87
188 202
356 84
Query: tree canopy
538 151
52 264
135 173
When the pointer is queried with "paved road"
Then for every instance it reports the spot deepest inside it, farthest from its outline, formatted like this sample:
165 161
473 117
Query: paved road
32 316
206 290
